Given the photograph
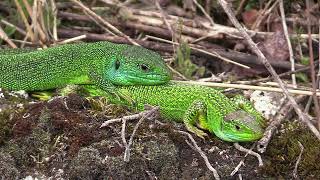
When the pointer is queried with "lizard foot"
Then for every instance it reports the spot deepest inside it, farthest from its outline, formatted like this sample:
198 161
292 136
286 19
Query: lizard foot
42 96
201 134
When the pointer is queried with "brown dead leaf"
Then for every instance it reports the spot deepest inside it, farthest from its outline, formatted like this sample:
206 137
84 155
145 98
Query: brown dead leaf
249 17
275 47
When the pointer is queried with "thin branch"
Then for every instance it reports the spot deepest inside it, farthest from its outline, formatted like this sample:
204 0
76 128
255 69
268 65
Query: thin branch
21 31
128 118
73 39
142 115
127 150
295 171
5 37
249 151
240 7
286 33
33 14
302 116
202 154
204 12
264 13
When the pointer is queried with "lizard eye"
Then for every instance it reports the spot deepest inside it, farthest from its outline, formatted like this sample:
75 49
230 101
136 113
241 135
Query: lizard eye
144 67
117 64
237 127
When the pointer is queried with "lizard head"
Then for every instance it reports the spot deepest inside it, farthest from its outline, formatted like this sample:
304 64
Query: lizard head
241 126
135 65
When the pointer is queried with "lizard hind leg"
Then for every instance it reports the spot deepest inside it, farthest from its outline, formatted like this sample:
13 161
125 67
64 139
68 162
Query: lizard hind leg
196 116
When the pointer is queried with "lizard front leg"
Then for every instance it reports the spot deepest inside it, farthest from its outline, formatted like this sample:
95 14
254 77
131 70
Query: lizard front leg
109 88
196 115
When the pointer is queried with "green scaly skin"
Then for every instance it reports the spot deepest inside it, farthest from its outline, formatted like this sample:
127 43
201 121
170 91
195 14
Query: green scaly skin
103 64
198 107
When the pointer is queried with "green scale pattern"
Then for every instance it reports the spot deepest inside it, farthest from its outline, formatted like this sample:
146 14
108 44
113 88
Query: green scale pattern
198 107
113 64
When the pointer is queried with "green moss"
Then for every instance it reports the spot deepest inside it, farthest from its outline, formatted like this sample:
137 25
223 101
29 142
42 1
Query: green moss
284 150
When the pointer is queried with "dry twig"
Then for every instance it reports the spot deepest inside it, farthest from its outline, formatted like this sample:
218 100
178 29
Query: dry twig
295 171
4 36
73 39
202 154
249 151
143 115
286 33
204 12
21 31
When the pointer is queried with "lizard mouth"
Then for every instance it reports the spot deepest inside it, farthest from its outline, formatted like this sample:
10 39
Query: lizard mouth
244 137
152 79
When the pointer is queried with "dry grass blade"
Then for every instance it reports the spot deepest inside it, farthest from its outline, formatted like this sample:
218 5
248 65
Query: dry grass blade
249 87
25 21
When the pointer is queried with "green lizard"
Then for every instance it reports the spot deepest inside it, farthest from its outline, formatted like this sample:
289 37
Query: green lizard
103 64
198 107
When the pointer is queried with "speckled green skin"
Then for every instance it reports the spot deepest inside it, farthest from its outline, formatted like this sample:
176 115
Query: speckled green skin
83 63
232 120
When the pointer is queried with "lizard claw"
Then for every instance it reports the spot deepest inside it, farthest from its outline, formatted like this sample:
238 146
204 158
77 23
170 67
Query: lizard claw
201 134
42 96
